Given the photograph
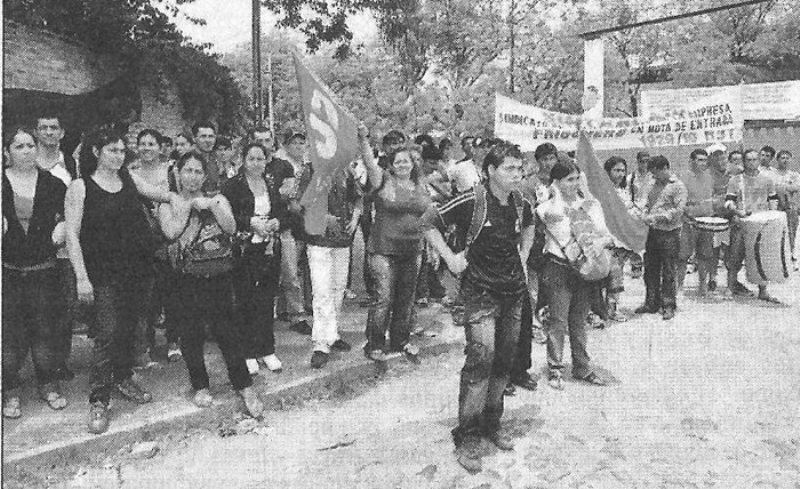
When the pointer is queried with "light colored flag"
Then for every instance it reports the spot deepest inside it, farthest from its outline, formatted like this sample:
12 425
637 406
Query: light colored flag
630 231
332 136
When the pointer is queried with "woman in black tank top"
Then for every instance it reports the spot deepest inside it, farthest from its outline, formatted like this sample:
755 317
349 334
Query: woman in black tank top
111 250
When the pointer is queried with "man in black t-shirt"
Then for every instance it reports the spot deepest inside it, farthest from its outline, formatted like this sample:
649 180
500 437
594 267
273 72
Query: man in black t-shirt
493 283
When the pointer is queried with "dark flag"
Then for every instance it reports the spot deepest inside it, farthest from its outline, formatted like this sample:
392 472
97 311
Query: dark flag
333 142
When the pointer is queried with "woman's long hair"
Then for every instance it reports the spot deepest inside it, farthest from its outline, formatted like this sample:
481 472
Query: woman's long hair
97 140
415 152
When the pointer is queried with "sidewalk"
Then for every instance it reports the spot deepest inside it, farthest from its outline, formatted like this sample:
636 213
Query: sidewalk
43 436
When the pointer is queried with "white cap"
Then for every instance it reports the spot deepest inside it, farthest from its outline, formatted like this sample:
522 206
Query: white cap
716 147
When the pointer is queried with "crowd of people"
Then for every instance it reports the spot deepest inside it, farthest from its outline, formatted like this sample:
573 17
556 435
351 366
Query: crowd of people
202 233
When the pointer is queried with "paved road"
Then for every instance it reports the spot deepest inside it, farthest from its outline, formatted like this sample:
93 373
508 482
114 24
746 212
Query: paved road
711 399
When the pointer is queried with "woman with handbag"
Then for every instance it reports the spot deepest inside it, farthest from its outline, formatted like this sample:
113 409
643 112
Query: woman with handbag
201 253
576 256
258 214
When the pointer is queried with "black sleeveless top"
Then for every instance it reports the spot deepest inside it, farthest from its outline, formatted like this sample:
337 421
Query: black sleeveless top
115 236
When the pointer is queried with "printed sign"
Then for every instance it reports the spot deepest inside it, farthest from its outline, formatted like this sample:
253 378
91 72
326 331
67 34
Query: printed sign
760 101
710 120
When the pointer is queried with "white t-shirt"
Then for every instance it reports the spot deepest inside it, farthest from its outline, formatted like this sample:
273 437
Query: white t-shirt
262 207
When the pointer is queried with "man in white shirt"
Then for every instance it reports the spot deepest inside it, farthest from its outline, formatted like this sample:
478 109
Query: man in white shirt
50 158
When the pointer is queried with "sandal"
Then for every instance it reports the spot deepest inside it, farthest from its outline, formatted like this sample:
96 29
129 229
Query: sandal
11 408
53 398
769 298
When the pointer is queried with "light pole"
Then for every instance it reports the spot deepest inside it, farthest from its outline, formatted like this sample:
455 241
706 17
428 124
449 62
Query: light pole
258 99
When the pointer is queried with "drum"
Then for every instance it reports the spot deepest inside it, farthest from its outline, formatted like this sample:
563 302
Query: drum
712 224
766 241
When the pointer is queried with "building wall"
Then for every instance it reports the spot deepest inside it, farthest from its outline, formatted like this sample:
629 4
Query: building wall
38 60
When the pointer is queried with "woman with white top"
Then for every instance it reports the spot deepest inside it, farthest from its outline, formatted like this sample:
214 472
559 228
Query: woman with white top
568 217
258 214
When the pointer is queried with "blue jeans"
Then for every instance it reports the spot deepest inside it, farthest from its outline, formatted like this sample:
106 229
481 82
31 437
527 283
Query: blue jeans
569 299
660 265
30 322
395 281
492 329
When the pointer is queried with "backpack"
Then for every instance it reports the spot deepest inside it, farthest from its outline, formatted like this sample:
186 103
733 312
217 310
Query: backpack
480 214
209 253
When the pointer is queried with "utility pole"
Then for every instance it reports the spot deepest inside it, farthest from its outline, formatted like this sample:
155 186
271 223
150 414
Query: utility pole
270 96
258 98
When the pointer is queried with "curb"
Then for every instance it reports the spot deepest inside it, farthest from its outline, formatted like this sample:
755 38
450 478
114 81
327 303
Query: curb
88 447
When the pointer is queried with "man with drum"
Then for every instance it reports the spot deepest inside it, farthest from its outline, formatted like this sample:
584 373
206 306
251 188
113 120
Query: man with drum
721 173
748 192
697 235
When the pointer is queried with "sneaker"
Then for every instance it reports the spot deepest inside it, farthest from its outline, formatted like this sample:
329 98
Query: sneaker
98 417
252 403
501 439
510 390
738 289
525 380
174 352
556 381
645 309
768 298
11 407
422 302
202 398
592 379
272 363
411 352
341 345
301 327
468 454
376 355
319 359
595 322
133 392
252 366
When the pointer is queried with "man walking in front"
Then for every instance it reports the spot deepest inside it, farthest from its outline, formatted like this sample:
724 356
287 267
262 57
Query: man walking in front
492 287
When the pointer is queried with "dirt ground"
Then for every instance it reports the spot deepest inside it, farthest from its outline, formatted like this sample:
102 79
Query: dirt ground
709 399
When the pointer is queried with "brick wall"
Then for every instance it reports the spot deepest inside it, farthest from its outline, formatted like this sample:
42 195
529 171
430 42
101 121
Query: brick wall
38 60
